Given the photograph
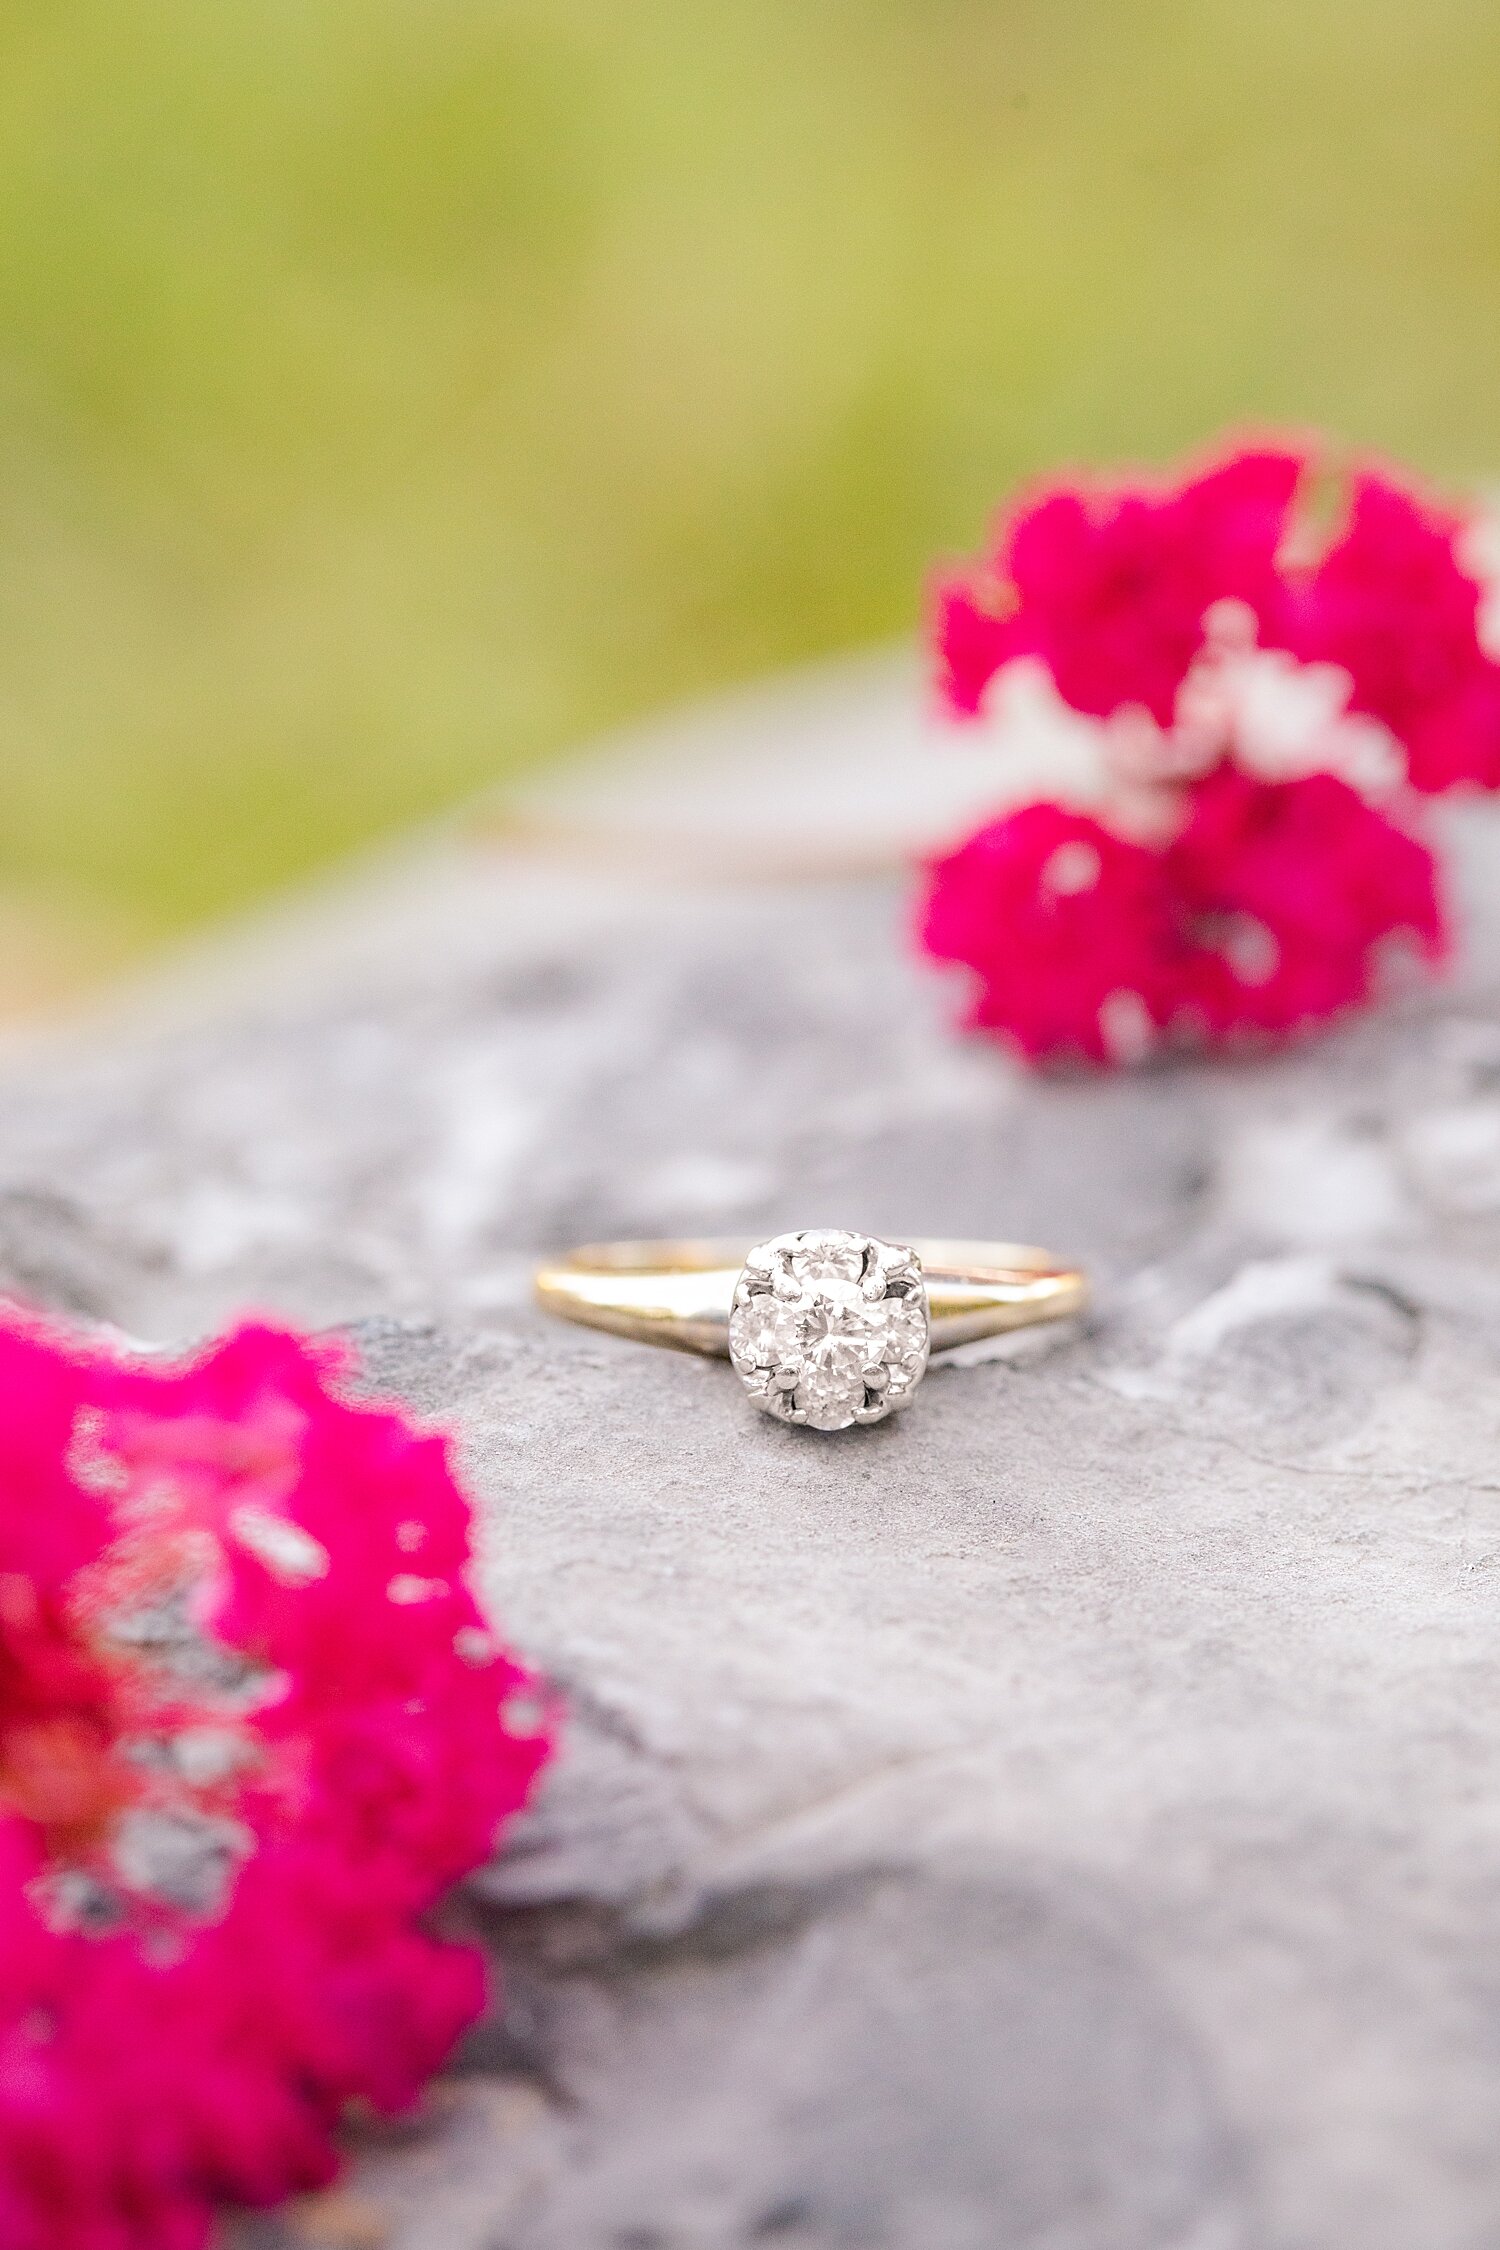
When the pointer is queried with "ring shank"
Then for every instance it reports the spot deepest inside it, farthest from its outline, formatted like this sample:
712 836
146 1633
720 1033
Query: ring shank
679 1294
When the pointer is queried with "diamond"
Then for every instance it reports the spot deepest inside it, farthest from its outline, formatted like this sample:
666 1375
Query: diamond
829 1328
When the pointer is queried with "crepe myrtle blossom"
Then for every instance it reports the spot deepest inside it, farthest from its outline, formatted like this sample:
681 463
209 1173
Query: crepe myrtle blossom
1398 605
1112 587
252 1726
1299 899
1109 586
1278 904
1069 931
1246 691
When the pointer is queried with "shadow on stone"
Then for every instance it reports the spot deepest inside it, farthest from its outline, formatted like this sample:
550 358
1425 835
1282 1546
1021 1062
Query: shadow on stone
948 2065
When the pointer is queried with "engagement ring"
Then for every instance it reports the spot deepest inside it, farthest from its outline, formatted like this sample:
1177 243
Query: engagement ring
823 1328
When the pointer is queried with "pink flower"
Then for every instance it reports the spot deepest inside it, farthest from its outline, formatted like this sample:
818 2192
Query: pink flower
1069 931
252 1725
1114 587
1110 586
1258 710
975 631
1392 603
1294 893
1272 910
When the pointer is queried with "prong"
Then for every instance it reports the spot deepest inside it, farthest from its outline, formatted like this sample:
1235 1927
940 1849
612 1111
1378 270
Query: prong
858 1293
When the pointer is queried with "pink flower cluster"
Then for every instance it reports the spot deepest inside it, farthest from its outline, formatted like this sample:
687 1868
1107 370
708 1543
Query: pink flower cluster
1270 693
252 1725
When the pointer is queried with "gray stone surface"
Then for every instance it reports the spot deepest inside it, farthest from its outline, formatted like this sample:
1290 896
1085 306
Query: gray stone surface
1066 1817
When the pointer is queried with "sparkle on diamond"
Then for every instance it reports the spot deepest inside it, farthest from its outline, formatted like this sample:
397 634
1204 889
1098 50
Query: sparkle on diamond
817 1338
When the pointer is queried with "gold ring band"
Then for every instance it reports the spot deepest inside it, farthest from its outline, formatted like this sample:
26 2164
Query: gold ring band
680 1294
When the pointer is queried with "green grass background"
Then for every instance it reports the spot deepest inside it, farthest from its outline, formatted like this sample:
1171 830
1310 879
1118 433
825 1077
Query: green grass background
394 391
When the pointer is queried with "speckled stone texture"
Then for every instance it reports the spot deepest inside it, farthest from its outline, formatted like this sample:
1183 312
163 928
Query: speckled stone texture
1063 1817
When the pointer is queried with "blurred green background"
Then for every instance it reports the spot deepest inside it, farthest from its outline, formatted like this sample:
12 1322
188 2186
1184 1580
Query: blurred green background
394 391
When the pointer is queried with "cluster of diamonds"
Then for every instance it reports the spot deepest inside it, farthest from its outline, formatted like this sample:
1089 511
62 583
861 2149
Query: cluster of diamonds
829 1328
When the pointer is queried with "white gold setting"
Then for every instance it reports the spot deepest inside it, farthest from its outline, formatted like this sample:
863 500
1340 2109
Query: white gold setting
828 1329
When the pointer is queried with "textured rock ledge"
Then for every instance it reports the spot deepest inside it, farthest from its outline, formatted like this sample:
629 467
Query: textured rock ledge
1065 1818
